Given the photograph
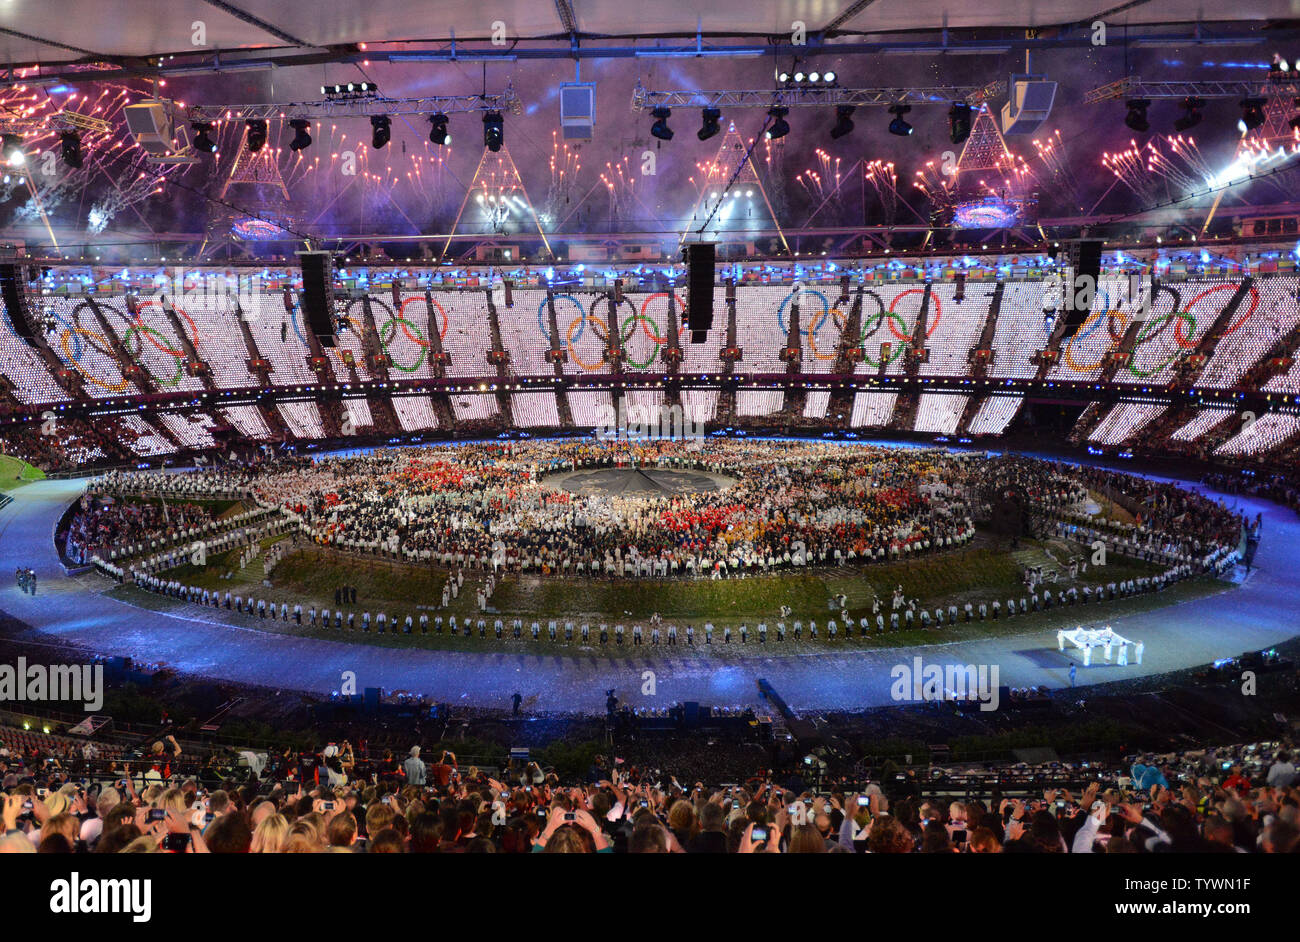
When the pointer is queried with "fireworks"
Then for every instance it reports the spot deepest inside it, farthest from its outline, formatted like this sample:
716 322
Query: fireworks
884 181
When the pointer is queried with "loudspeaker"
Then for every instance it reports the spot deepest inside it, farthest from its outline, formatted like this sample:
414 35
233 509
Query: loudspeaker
1085 258
700 258
317 295
11 288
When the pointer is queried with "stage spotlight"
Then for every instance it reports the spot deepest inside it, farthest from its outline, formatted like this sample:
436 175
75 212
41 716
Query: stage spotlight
202 142
301 138
779 127
843 121
494 134
660 128
1136 119
1252 114
438 133
711 123
1192 117
814 76
899 124
782 76
381 131
1278 67
70 149
256 134
958 122
798 76
828 77
11 149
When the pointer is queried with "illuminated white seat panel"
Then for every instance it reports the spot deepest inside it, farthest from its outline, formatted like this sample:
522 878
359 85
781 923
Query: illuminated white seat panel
589 407
1268 432
994 415
1202 422
415 412
303 418
939 413
873 409
192 431
1125 420
815 403
470 407
142 438
759 402
248 421
954 328
535 409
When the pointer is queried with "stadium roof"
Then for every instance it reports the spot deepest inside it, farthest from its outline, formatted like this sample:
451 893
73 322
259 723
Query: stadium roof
59 31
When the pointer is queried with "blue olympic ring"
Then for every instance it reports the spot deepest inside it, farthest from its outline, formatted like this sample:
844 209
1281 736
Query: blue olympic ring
546 331
803 331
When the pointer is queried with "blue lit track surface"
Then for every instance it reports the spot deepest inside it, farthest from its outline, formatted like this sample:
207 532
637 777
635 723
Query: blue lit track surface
1261 612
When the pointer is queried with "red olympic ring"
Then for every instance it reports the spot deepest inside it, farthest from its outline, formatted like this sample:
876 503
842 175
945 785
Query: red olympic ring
442 334
642 316
938 313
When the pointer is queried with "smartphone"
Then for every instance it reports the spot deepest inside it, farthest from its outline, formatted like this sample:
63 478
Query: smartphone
157 814
176 843
570 816
327 805
758 835
387 799
1226 766
644 803
959 837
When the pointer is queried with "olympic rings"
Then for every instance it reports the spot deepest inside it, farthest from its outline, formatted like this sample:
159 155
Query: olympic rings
1094 320
1254 303
624 333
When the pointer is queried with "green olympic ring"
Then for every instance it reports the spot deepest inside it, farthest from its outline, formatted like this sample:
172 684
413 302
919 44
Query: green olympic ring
144 329
1149 330
898 347
424 347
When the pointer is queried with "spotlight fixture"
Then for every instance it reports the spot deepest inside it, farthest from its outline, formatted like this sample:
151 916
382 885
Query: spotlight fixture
899 124
301 137
1279 67
843 121
782 76
958 122
351 89
1136 119
814 77
779 127
711 123
1192 117
798 77
1252 114
494 134
381 131
438 133
202 142
11 149
70 149
660 128
256 134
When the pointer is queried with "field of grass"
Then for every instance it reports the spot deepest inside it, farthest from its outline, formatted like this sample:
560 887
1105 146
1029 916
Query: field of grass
310 575
14 473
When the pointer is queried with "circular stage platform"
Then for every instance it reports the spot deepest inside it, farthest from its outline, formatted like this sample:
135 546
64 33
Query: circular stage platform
637 482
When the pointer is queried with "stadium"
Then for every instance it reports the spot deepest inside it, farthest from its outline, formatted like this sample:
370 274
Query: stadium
716 450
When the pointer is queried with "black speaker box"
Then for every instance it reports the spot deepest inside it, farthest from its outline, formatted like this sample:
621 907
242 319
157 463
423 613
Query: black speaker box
700 258
317 295
11 288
